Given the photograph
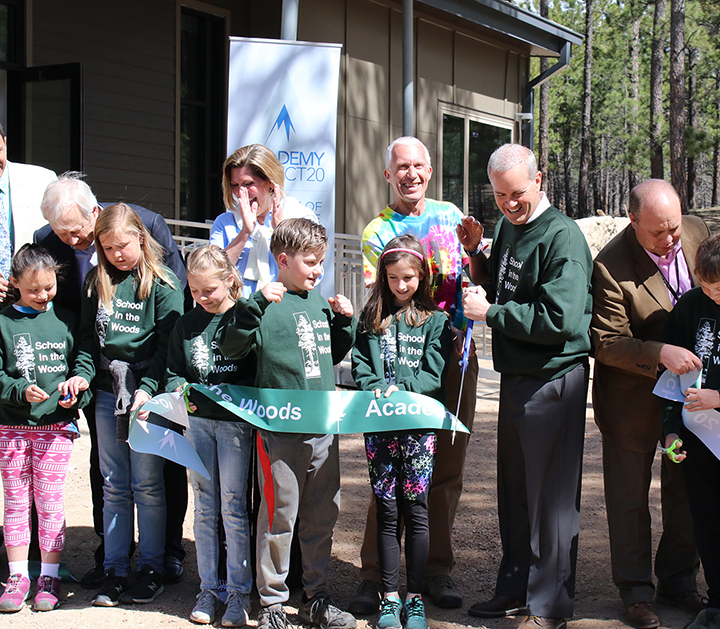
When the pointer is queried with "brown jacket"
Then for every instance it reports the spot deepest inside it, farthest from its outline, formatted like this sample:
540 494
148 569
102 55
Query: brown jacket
630 312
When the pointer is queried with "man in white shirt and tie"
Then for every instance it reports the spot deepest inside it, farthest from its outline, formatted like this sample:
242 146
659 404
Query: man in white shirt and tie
21 191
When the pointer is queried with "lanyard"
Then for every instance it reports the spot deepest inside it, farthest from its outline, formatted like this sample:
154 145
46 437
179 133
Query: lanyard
676 294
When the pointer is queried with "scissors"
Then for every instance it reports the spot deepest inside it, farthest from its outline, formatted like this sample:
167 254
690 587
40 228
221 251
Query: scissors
672 451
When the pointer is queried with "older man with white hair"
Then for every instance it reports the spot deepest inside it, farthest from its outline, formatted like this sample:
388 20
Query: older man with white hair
445 233
71 209
540 269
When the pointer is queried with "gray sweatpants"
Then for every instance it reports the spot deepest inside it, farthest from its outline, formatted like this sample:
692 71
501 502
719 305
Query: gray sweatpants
299 481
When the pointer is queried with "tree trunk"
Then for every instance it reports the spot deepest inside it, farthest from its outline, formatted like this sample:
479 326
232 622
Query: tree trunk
657 170
567 183
582 202
716 150
692 123
597 169
543 113
633 85
677 101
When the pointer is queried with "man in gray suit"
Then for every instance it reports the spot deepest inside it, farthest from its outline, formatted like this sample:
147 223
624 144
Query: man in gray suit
637 279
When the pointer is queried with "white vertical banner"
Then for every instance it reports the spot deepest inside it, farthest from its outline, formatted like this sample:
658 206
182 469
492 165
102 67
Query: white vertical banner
284 94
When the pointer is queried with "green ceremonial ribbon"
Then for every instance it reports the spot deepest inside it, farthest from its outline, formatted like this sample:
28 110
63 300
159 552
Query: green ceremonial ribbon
331 412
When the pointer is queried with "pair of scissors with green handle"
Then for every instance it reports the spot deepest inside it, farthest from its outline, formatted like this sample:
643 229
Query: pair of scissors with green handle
673 451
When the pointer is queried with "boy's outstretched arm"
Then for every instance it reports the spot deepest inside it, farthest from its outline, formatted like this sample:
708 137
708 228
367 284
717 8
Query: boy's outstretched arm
342 327
241 335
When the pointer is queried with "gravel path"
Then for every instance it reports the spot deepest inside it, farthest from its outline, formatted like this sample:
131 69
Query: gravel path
477 545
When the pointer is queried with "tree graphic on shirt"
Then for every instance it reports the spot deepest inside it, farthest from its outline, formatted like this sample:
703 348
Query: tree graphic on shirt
388 353
25 357
200 356
306 342
102 318
704 343
501 272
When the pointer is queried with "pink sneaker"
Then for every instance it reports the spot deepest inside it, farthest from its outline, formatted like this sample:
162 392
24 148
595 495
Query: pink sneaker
48 592
17 591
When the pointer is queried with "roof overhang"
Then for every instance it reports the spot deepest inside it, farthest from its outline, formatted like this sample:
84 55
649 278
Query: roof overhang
539 36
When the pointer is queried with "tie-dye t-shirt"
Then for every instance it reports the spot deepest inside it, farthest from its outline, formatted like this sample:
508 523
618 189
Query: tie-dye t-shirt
435 228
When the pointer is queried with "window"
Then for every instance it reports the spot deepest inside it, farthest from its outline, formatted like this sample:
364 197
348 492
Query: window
468 139
12 34
45 116
203 44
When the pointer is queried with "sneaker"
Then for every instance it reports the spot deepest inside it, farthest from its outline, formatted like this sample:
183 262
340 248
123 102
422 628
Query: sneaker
367 600
236 611
145 587
414 610
321 612
94 577
390 609
17 591
443 592
113 587
272 617
204 611
48 592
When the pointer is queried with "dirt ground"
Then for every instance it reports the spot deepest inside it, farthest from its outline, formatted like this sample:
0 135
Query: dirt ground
477 545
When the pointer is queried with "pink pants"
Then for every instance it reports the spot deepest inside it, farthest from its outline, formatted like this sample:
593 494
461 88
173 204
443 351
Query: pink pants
34 462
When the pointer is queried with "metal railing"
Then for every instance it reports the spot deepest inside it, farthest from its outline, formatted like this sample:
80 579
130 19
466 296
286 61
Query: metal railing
348 272
187 243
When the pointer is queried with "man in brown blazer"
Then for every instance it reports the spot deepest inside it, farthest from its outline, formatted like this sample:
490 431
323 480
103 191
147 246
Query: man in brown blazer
637 279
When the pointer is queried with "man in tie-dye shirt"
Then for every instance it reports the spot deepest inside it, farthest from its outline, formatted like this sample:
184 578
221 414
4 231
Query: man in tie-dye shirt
452 242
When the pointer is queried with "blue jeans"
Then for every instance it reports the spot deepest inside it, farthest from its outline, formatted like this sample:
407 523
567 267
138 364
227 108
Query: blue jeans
129 478
224 448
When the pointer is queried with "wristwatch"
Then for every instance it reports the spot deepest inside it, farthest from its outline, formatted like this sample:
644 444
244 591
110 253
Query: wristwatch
475 253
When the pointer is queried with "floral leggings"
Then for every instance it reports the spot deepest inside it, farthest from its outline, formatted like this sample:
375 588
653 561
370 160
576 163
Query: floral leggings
401 468
34 461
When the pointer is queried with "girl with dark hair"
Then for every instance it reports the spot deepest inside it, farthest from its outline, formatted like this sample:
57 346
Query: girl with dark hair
37 425
402 344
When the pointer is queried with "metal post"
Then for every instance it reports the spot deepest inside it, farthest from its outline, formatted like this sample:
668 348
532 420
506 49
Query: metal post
407 66
289 20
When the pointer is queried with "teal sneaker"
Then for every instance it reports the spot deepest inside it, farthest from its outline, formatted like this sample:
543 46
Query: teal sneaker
390 609
414 609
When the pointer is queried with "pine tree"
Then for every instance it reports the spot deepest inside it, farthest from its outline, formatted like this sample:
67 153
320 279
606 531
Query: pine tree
200 357
306 342
25 359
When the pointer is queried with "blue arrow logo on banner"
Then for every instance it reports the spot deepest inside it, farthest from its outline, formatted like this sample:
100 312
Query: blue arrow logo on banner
282 119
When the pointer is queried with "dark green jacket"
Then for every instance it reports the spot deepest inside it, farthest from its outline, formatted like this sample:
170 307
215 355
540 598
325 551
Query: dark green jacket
136 330
419 362
36 348
297 341
542 273
194 356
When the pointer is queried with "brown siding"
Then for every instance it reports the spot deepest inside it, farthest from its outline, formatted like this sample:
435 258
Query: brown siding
128 50
450 66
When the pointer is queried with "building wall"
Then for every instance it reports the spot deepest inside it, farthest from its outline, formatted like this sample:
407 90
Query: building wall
451 66
129 55
128 50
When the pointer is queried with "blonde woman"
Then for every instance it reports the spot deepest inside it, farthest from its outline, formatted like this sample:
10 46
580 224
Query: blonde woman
253 180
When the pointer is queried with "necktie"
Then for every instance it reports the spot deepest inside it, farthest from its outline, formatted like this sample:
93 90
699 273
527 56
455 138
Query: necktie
5 245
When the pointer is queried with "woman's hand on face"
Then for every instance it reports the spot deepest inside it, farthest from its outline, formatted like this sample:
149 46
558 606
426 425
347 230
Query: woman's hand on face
277 211
248 210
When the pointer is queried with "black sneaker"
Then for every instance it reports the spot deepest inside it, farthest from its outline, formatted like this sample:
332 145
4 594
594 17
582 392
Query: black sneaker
145 587
367 600
272 617
320 611
112 588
